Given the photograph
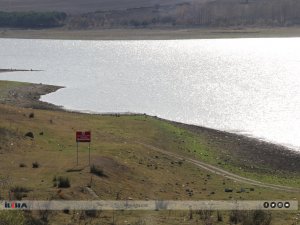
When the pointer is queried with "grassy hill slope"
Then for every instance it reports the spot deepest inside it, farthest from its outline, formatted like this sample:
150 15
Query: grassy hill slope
129 170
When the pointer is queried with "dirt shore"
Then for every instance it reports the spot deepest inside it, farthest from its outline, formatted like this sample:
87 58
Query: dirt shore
26 95
151 34
16 70
247 152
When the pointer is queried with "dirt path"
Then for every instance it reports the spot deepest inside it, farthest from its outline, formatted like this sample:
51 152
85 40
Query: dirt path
221 172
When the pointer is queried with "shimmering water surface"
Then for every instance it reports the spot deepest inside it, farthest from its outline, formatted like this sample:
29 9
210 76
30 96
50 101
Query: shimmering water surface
251 86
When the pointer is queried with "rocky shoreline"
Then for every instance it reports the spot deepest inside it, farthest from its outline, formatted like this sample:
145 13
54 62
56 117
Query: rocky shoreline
28 96
248 152
17 70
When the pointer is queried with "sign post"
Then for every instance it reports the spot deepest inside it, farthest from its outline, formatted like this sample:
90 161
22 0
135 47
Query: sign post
77 153
84 136
89 153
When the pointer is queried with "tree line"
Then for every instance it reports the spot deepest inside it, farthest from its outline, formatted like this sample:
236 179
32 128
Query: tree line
241 12
32 19
218 13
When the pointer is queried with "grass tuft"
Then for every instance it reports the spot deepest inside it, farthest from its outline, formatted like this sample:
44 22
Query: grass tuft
35 165
63 182
97 171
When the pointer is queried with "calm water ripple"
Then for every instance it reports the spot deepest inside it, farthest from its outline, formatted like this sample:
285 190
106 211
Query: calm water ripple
250 86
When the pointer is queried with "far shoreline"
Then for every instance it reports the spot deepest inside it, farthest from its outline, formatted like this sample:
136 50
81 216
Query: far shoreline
18 70
151 33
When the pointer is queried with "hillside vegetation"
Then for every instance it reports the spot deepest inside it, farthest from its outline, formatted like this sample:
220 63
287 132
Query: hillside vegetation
79 6
32 19
209 14
226 13
38 158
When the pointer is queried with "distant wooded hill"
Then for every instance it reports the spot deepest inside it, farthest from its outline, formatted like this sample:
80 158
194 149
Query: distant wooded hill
218 13
32 19
80 6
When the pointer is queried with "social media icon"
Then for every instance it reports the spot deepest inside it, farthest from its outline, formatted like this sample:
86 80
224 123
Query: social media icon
266 205
287 205
273 205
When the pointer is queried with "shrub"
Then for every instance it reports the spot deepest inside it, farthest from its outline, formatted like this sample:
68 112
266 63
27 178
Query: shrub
257 217
44 216
31 220
19 191
32 19
31 115
260 217
91 213
22 165
220 217
204 214
54 180
66 211
29 134
236 217
35 165
97 171
74 170
63 182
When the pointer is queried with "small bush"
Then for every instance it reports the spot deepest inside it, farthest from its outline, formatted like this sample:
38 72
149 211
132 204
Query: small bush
54 180
220 217
97 171
30 220
73 170
260 217
31 115
63 182
236 216
257 217
66 211
20 189
22 165
32 19
18 192
44 216
91 213
18 195
35 165
29 134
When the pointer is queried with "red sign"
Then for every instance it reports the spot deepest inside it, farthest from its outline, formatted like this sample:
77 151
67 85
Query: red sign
83 136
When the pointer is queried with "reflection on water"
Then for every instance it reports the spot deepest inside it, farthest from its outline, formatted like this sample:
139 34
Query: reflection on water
246 85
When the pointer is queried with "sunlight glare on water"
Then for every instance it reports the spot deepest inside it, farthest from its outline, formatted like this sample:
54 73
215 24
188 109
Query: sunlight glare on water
250 86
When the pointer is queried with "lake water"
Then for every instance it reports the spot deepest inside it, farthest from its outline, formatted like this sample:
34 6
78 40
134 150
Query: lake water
249 86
